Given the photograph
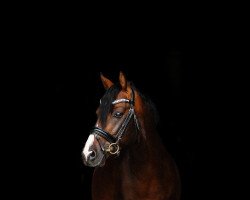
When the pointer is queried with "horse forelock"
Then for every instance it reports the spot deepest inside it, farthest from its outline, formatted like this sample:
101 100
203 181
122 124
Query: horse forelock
111 94
106 103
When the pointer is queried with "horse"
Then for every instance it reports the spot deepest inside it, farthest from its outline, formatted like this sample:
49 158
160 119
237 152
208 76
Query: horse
130 161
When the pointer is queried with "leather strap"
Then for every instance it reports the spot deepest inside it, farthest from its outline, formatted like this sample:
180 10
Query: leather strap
104 134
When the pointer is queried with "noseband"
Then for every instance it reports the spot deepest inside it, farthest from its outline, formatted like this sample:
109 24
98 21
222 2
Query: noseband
114 147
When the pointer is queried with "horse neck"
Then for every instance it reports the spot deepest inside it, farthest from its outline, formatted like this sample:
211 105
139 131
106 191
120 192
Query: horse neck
147 150
148 128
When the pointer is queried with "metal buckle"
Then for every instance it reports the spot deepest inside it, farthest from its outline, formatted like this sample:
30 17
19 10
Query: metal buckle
113 148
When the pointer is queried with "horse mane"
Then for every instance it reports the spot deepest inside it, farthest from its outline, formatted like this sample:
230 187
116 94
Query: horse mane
111 94
149 104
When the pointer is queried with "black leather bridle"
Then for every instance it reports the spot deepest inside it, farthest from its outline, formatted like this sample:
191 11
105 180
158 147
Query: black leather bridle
114 147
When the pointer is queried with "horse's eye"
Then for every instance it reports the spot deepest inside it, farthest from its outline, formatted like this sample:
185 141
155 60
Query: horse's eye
118 114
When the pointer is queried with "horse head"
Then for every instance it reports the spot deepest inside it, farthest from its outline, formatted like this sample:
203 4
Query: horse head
117 124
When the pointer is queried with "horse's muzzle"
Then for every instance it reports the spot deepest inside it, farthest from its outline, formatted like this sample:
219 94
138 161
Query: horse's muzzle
94 159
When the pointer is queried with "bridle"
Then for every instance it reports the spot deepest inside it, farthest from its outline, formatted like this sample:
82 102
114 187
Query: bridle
114 147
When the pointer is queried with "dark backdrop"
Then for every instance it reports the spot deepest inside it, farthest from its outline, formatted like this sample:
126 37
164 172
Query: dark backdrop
173 73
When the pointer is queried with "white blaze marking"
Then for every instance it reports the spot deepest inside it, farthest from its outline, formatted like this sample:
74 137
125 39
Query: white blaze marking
89 143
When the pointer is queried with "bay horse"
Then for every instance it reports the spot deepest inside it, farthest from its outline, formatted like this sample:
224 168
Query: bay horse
130 160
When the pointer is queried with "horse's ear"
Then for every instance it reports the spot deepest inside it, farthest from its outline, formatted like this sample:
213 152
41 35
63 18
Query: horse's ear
123 81
106 82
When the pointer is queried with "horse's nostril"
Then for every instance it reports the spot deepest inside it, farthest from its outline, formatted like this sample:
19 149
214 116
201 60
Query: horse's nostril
92 155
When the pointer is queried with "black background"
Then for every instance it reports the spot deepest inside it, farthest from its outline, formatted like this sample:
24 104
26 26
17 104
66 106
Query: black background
179 73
